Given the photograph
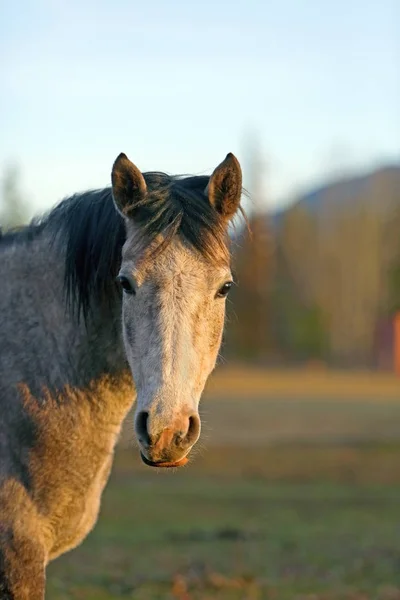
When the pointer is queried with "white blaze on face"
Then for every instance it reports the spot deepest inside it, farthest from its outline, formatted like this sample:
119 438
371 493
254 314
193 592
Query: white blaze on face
172 330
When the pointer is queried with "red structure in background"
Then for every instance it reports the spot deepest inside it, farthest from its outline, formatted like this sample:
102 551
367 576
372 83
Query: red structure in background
387 346
396 343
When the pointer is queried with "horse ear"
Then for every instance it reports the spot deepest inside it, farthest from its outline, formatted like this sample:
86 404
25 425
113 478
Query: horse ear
224 188
128 185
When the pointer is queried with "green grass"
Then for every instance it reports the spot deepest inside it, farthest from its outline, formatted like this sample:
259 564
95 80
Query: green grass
286 500
261 537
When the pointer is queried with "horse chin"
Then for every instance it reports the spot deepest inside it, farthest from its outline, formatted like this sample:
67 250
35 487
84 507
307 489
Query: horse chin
164 465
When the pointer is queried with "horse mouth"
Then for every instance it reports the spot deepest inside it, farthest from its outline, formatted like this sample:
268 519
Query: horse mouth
163 464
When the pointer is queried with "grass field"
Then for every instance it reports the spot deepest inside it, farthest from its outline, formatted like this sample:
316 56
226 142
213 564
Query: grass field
293 494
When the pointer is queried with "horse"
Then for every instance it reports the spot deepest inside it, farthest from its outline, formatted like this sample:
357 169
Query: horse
114 295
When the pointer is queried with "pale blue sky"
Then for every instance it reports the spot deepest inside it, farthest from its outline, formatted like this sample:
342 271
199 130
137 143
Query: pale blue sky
177 84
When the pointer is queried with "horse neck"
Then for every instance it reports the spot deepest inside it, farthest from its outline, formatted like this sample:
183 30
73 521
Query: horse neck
51 348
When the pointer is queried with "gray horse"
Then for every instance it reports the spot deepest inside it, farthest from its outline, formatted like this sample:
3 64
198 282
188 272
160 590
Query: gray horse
152 251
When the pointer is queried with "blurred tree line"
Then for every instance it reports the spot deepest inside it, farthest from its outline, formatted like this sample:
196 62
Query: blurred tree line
314 284
13 206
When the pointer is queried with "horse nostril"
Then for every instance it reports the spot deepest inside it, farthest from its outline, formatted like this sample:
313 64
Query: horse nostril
142 433
194 428
193 431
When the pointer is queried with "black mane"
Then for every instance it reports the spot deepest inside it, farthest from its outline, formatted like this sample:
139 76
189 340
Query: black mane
92 232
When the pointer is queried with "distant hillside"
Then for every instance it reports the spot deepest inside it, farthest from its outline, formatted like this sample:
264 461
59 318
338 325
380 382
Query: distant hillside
381 187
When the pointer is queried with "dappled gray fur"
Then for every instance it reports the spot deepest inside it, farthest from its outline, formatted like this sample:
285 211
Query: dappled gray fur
42 344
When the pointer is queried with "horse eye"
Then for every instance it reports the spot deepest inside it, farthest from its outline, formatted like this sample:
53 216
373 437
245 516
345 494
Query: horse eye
126 284
224 290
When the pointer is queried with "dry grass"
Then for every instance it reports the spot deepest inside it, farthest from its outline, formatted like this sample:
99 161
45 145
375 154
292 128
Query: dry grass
320 383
